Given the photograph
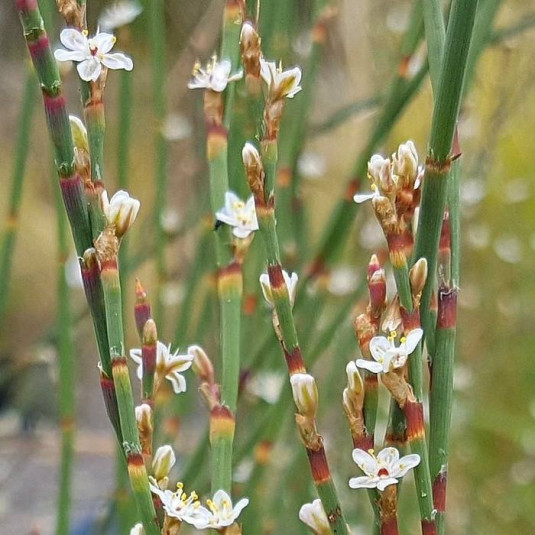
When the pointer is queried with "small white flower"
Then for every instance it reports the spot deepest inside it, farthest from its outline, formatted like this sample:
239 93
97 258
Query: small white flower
119 14
405 161
220 512
381 470
291 284
178 504
385 353
280 83
240 215
137 530
168 365
313 515
215 77
91 53
379 172
120 211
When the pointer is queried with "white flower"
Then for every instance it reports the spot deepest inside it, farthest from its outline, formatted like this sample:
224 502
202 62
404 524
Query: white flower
405 162
168 365
215 77
240 215
291 284
119 14
379 172
280 83
385 353
120 211
313 515
137 530
178 504
381 470
220 512
91 53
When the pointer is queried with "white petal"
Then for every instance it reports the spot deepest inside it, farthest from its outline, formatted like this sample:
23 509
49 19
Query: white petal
230 199
405 464
74 40
413 339
118 61
103 42
225 218
363 197
363 482
241 232
379 345
67 55
370 365
383 483
89 70
388 456
366 462
178 381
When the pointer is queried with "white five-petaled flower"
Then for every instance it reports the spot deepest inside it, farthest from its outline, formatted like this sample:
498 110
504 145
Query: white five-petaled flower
168 365
280 83
121 211
119 14
215 76
220 512
238 214
291 284
91 53
381 470
313 515
386 355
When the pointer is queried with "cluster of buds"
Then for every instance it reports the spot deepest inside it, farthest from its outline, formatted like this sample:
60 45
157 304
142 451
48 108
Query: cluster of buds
396 190
280 84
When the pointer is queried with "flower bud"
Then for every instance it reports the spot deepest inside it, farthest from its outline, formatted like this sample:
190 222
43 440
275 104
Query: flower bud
354 380
144 417
418 276
313 515
137 530
79 133
305 394
250 50
406 162
202 365
121 211
254 170
164 460
291 284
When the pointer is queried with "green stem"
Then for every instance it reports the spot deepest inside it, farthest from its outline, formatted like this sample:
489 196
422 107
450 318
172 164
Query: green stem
15 197
435 33
156 10
131 446
66 377
445 113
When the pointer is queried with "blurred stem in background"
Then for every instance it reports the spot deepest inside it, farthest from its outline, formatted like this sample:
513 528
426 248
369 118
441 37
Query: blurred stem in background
157 37
11 225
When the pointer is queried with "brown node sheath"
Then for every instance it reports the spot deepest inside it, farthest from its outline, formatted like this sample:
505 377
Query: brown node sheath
26 5
142 309
447 308
445 232
414 413
410 320
439 168
110 402
294 360
319 466
221 421
439 491
363 442
428 527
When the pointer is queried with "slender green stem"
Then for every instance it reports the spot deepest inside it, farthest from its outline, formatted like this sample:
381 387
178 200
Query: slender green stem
66 377
435 33
15 197
131 446
445 113
156 10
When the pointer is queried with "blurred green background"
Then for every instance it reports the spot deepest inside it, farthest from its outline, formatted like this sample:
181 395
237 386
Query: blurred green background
492 466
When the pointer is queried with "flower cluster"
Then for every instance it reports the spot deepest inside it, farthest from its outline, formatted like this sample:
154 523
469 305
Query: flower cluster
168 365
395 186
214 77
91 54
381 470
218 513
